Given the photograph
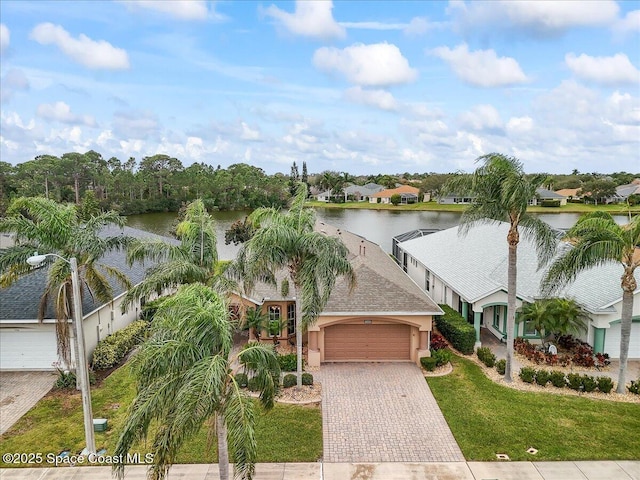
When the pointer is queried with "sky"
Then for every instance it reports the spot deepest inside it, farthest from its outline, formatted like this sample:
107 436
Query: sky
352 86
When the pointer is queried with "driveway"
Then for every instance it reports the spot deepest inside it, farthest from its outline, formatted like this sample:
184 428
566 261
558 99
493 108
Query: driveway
19 392
382 412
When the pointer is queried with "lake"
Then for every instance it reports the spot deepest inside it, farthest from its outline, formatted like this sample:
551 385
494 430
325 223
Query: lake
378 226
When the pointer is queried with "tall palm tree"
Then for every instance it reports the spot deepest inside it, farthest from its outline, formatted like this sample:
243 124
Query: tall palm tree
501 193
195 259
185 380
45 226
312 260
598 240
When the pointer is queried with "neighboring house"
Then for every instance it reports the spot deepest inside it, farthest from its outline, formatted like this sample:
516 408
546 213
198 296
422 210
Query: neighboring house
28 344
455 199
625 191
570 193
543 194
387 317
469 273
358 193
408 194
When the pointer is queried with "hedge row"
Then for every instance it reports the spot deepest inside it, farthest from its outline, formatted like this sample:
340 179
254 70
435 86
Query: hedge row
455 328
110 351
575 381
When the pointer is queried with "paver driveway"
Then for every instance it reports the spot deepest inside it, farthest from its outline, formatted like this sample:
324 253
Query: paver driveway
19 391
382 412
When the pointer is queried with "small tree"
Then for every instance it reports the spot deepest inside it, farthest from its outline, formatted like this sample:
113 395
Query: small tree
395 199
553 317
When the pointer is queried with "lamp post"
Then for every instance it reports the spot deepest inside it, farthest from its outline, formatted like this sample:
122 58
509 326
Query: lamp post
82 371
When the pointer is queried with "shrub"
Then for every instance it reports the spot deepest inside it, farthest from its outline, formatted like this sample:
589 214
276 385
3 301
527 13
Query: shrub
442 356
527 374
486 356
455 328
605 384
289 380
589 383
429 363
550 203
634 387
110 351
557 379
395 199
542 377
67 379
307 379
242 380
288 362
574 381
501 366
252 384
438 342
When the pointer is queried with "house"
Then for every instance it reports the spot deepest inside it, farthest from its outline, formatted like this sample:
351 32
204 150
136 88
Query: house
28 344
570 193
469 273
455 199
387 317
542 195
408 194
625 191
358 193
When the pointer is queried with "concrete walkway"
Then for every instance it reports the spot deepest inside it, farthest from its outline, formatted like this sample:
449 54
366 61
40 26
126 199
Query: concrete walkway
19 392
382 412
620 470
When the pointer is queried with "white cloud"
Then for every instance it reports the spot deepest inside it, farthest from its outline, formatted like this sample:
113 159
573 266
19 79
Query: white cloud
178 9
603 70
375 98
136 125
629 24
481 118
373 25
379 64
83 50
248 133
418 26
482 68
518 125
61 112
311 18
5 37
533 17
14 80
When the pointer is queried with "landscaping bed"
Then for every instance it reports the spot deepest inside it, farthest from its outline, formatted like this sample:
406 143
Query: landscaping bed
487 418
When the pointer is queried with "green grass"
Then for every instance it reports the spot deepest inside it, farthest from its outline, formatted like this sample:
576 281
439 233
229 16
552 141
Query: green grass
288 433
487 418
437 207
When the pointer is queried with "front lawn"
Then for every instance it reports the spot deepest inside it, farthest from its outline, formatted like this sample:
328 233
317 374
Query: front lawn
288 433
487 418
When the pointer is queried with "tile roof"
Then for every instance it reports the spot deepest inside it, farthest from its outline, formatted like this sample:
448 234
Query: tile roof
568 192
400 190
20 300
476 266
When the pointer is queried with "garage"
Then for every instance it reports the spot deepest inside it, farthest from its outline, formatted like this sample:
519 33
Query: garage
612 341
367 341
27 348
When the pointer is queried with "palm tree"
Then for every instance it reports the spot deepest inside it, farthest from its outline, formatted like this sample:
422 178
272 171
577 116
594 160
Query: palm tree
554 316
45 226
312 260
501 193
598 240
195 259
185 380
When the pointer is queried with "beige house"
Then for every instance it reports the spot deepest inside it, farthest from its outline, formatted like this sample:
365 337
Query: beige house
408 194
387 317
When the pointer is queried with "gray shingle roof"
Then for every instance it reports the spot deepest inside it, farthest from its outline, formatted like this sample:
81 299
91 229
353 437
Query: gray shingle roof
476 265
20 300
382 286
543 193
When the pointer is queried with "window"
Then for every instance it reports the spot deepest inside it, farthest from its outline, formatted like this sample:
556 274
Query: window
496 317
427 280
291 319
274 321
444 293
529 328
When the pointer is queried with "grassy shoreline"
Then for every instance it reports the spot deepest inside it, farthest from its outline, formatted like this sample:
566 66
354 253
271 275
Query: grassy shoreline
437 207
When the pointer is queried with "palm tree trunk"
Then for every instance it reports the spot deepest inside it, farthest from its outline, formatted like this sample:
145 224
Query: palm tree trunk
625 335
296 289
223 448
512 275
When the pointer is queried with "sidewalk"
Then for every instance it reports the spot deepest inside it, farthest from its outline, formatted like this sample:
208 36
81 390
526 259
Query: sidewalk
595 470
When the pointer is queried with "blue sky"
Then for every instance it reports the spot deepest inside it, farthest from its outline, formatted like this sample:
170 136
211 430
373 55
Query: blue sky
361 87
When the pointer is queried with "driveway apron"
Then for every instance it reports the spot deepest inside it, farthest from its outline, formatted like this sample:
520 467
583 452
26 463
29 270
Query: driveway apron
19 391
382 412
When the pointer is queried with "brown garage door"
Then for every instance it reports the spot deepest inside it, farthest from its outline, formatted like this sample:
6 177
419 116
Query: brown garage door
367 342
